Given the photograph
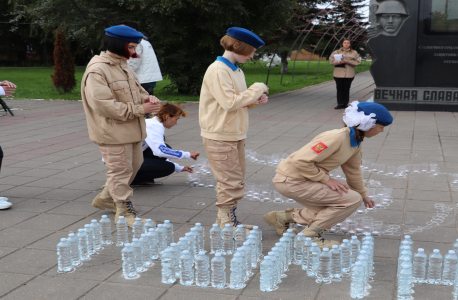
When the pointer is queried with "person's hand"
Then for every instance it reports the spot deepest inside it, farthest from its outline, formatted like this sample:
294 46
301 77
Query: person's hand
368 202
8 84
151 107
267 92
151 99
263 99
337 186
343 61
194 154
9 91
187 169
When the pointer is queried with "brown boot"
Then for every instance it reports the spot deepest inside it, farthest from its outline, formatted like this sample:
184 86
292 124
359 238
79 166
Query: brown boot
104 203
127 210
280 220
314 232
227 216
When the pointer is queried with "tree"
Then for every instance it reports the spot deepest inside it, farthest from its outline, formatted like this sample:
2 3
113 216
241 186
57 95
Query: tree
63 76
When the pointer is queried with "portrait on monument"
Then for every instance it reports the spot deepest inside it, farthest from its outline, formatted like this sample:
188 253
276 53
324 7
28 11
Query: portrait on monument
387 17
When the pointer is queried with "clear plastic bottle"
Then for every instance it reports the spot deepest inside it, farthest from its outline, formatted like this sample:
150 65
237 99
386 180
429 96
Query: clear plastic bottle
121 232
148 224
105 228
216 241
186 270
202 263
190 243
161 241
362 258
64 258
253 240
435 267
336 263
129 271
218 271
357 281
314 260
407 249
292 236
97 235
305 252
275 275
408 239
239 236
258 233
168 269
153 244
284 261
83 245
247 249
227 234
404 243
449 273
267 276
370 254
90 239
419 266
298 244
402 255
355 247
285 244
175 250
346 249
74 249
201 232
146 250
404 283
277 251
290 242
324 269
242 253
168 232
237 278
182 244
137 246
137 228
195 236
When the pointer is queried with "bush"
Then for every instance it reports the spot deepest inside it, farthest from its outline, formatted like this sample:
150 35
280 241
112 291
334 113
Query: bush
63 76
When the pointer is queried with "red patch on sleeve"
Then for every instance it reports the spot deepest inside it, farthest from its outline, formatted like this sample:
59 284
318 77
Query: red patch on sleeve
319 148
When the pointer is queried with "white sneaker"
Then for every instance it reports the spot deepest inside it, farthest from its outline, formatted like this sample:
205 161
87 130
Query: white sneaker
4 204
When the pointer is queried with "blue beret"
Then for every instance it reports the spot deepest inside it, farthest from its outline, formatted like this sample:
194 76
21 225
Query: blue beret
245 36
382 115
125 33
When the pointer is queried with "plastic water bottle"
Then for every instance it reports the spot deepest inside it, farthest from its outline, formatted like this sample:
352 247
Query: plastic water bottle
190 244
74 250
305 252
216 241
83 245
266 280
182 244
404 283
258 232
314 260
218 273
408 239
407 249
298 244
292 235
129 271
455 246
419 266
402 256
357 281
148 224
161 241
239 236
187 272
168 232
449 273
90 239
137 246
370 254
285 244
355 247
290 249
277 253
324 269
121 232
346 249
146 250
253 240
227 234
237 278
240 251
175 250
153 243
404 243
97 235
195 236
247 249
284 261
168 269
105 228
435 267
64 259
336 263
275 275
201 232
202 269
137 228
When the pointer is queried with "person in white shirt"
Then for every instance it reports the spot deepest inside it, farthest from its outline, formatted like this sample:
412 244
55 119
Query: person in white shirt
156 153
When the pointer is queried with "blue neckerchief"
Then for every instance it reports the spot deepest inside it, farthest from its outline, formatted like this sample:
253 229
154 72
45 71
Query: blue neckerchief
353 141
228 63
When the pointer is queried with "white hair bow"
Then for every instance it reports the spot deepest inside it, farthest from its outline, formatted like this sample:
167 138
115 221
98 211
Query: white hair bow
353 117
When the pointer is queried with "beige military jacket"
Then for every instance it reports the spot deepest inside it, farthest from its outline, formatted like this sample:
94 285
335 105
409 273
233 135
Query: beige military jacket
346 70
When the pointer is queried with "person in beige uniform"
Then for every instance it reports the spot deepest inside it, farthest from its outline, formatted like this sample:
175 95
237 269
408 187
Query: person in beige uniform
115 105
344 61
304 175
223 118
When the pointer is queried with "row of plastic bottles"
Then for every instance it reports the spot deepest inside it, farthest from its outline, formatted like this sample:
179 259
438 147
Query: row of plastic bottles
164 231
75 249
362 268
226 240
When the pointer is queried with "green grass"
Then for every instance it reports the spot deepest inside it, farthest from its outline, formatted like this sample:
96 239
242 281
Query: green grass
35 82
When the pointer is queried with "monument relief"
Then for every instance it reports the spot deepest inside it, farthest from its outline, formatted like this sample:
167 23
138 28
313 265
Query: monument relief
386 17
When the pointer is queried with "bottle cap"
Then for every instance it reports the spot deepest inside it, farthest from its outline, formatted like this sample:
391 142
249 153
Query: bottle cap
227 225
267 257
283 239
405 243
240 226
279 244
138 219
167 250
128 244
198 224
286 234
406 259
181 239
166 221
300 234
173 244
63 239
290 230
314 244
81 230
307 238
240 249
121 218
160 225
87 226
215 225
345 241
255 227
93 221
187 234
218 254
451 251
134 240
354 237
143 235
367 234
148 220
421 250
407 237
405 266
71 234
185 252
237 254
201 252
335 247
193 229
104 216
151 230
325 249
358 263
